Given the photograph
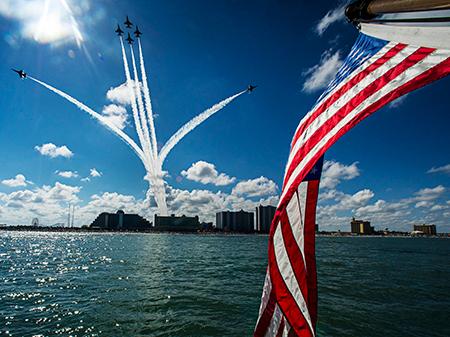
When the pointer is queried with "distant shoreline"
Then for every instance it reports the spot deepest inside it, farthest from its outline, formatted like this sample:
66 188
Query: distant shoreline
153 231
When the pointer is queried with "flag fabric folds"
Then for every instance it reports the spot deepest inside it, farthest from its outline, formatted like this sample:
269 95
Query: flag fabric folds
375 72
301 214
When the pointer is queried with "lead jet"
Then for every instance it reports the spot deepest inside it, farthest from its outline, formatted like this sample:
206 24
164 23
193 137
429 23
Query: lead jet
128 23
250 88
137 33
129 39
21 73
119 31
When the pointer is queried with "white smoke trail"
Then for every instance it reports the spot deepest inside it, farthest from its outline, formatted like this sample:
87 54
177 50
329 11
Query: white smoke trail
155 179
130 142
192 124
148 102
133 102
141 106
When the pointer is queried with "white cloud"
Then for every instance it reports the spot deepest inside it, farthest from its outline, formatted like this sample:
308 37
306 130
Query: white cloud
116 114
95 173
85 179
334 172
206 173
67 174
46 22
441 169
18 181
53 151
335 15
120 94
318 76
258 187
428 194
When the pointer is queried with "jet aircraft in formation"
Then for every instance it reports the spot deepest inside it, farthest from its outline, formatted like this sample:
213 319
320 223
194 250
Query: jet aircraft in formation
129 39
137 33
128 23
119 31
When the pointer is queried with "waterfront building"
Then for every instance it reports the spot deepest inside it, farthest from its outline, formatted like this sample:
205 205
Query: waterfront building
176 223
425 229
361 227
240 221
264 217
121 221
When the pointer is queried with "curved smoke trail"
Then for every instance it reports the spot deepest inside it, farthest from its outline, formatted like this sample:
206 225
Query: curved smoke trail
130 142
137 90
148 102
133 102
192 124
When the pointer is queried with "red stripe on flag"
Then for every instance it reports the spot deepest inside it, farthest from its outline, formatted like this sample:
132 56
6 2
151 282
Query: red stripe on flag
350 84
310 249
266 317
407 63
294 254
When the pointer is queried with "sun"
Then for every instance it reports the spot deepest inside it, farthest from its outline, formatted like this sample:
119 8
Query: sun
56 23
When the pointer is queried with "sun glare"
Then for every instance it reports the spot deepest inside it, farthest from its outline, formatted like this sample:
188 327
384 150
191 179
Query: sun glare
57 23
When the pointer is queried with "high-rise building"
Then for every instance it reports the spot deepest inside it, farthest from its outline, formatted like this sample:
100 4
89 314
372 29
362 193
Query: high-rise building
176 223
240 221
425 229
361 227
121 221
264 217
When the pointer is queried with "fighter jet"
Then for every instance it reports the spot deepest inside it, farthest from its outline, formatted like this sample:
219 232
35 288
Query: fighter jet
128 23
119 31
129 39
137 33
21 73
250 88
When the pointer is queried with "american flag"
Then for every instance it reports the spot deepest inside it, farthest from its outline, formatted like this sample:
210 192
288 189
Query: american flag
376 72
301 213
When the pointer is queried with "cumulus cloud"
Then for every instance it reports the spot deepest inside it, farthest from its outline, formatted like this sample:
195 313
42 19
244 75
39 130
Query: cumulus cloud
95 173
44 21
53 151
318 76
206 173
120 94
334 172
67 174
441 169
335 15
429 193
258 187
46 202
18 181
116 114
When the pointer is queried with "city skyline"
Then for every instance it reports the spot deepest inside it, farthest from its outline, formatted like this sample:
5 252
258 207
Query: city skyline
392 169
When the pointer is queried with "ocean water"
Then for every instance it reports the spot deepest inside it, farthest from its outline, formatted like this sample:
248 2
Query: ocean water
190 285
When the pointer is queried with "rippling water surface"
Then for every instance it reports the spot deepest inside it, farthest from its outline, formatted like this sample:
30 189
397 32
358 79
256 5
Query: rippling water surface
190 285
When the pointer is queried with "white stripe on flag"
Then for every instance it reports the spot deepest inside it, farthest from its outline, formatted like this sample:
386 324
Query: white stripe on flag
275 322
296 214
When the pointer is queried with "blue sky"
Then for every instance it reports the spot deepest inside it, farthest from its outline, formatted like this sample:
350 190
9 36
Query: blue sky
198 53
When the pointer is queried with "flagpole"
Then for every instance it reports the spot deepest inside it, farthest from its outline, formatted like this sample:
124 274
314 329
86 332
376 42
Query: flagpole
362 10
377 7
